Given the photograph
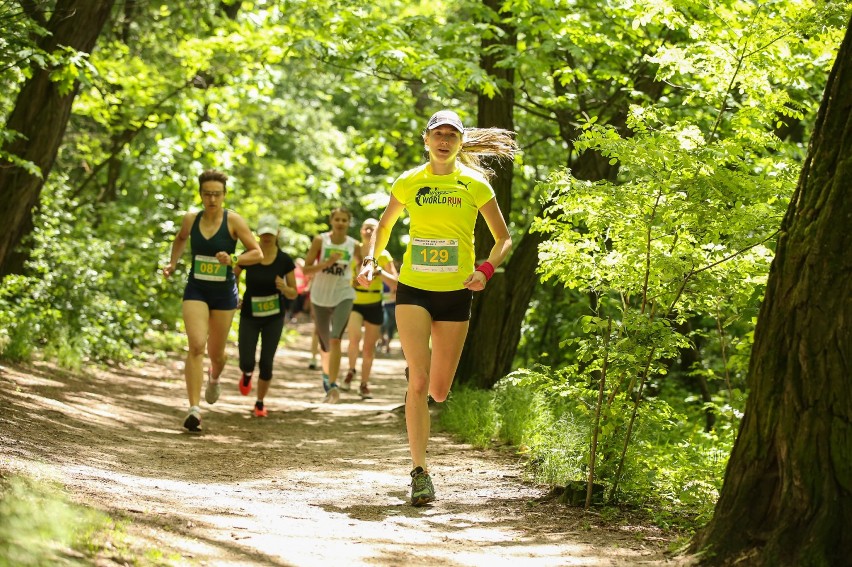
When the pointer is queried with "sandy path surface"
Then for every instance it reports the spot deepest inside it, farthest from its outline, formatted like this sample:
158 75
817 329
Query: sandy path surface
312 484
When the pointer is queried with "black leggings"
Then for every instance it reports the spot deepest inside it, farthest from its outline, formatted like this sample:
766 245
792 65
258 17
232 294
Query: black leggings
269 330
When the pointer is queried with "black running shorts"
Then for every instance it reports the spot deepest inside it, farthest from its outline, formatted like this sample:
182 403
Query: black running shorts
441 305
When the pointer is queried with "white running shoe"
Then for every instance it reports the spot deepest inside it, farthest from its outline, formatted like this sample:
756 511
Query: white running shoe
192 421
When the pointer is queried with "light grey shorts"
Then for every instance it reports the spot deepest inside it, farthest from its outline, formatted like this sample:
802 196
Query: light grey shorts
330 322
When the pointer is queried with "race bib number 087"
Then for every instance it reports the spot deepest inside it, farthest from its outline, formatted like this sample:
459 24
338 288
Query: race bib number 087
208 268
431 255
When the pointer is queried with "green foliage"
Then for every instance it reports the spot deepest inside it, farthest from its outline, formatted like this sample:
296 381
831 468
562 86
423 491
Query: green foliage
38 526
18 48
700 112
71 305
173 89
674 249
532 418
672 468
698 117
469 413
19 51
552 323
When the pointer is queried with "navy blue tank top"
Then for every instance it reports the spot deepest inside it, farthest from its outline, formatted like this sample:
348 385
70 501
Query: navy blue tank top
206 270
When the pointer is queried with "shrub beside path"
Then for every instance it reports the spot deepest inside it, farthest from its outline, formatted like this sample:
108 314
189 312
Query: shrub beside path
311 484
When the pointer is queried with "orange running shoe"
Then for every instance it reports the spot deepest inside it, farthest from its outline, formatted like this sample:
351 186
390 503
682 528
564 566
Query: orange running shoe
245 384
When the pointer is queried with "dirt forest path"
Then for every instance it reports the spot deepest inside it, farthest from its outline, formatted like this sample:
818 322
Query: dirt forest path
311 484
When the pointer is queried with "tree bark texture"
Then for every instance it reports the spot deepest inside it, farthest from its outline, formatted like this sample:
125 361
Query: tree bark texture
41 115
498 311
787 496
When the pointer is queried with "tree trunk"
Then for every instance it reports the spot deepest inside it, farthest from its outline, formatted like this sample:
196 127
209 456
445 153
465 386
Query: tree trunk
498 313
787 497
495 318
41 114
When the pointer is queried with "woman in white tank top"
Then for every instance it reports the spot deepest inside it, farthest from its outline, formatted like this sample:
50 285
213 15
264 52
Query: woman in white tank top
330 261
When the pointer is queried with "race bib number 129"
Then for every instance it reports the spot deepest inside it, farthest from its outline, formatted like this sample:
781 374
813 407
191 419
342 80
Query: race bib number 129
431 255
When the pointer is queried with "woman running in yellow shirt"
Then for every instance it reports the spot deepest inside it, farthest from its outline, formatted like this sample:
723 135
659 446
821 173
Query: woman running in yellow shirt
443 198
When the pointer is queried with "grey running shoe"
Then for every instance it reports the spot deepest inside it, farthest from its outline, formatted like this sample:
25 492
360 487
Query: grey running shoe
364 391
422 491
192 422
333 395
211 393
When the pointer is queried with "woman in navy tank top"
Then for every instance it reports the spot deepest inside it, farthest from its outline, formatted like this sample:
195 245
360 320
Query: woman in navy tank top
210 296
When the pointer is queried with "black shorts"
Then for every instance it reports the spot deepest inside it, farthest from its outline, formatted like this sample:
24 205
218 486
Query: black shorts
441 305
220 299
371 312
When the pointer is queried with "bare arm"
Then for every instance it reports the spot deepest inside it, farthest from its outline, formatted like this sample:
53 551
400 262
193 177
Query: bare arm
237 272
287 285
240 230
389 274
391 280
312 265
381 236
179 244
502 243
359 257
389 267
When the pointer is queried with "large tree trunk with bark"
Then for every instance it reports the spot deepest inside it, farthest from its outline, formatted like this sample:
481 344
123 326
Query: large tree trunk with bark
41 115
497 311
787 496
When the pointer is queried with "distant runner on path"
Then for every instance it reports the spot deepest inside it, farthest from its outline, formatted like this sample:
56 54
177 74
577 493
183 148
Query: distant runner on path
210 296
262 314
433 299
367 314
330 259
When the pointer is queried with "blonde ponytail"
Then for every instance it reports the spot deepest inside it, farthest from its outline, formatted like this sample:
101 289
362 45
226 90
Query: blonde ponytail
481 143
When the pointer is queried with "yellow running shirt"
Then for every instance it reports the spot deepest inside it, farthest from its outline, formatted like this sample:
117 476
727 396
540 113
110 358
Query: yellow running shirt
443 211
373 293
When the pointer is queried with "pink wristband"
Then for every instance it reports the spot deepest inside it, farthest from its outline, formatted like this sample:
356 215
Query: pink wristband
487 269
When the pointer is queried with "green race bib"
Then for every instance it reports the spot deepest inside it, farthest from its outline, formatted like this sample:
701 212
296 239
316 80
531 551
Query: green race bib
266 305
209 269
345 256
430 255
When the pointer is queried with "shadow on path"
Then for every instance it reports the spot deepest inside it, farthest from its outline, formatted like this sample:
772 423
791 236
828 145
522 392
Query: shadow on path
312 484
